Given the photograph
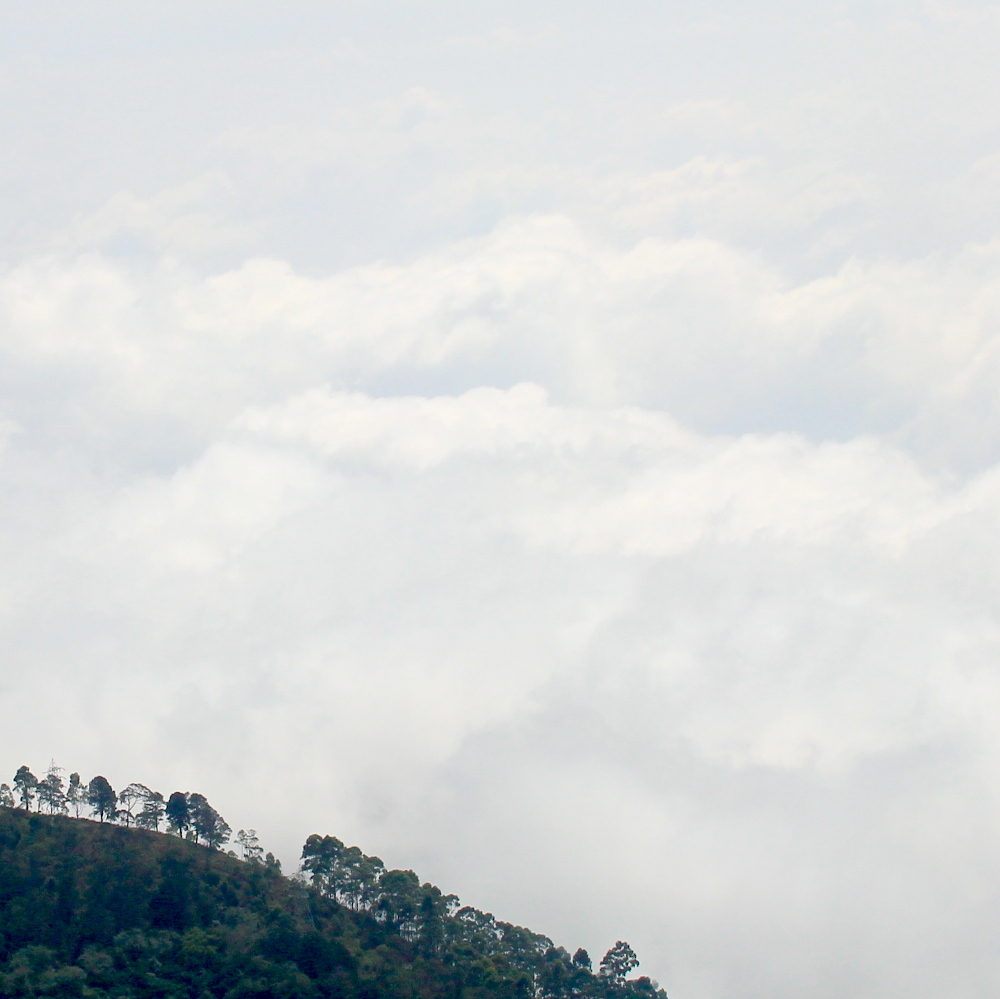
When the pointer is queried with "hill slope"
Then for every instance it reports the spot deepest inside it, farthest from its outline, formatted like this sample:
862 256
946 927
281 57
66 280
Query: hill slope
91 909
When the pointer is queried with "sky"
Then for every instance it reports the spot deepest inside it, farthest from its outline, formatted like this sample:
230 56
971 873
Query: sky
554 446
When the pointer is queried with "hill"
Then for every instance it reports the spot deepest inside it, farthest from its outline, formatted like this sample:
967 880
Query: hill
92 909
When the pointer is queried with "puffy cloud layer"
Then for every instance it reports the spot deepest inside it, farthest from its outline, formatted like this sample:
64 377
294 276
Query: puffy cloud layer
584 492
713 334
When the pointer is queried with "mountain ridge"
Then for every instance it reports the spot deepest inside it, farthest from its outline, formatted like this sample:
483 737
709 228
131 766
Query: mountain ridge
95 910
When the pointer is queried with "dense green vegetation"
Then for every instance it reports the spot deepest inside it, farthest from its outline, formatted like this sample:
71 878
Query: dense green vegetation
95 909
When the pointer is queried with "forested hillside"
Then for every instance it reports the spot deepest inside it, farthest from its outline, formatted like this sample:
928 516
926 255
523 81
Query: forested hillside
90 908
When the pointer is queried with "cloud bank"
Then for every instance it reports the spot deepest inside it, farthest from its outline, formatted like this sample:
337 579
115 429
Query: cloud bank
559 455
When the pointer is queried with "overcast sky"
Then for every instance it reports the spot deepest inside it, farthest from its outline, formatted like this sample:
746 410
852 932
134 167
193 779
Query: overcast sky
554 446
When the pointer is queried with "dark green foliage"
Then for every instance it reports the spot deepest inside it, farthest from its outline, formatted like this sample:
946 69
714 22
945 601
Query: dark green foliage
131 799
207 823
52 793
178 813
619 962
152 811
102 799
98 911
25 783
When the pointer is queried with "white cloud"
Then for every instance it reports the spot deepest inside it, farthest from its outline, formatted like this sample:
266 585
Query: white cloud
711 333
577 479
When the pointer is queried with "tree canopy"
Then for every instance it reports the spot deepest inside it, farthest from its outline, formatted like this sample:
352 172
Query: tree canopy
187 814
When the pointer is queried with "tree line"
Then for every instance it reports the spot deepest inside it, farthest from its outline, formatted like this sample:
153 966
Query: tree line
185 814
439 926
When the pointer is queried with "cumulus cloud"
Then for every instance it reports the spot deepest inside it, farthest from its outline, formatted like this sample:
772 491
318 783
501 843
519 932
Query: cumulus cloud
713 334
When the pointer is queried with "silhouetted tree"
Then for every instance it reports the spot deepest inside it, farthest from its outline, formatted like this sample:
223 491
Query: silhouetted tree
344 873
360 878
320 859
217 832
178 813
207 823
129 799
582 959
75 794
253 852
618 962
399 900
25 783
152 811
198 810
102 798
6 797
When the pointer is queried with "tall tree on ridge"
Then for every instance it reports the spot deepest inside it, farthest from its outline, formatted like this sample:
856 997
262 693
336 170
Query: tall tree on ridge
129 798
178 813
207 823
102 798
75 794
344 873
152 812
200 814
321 858
253 852
25 783
618 962
399 901
218 833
